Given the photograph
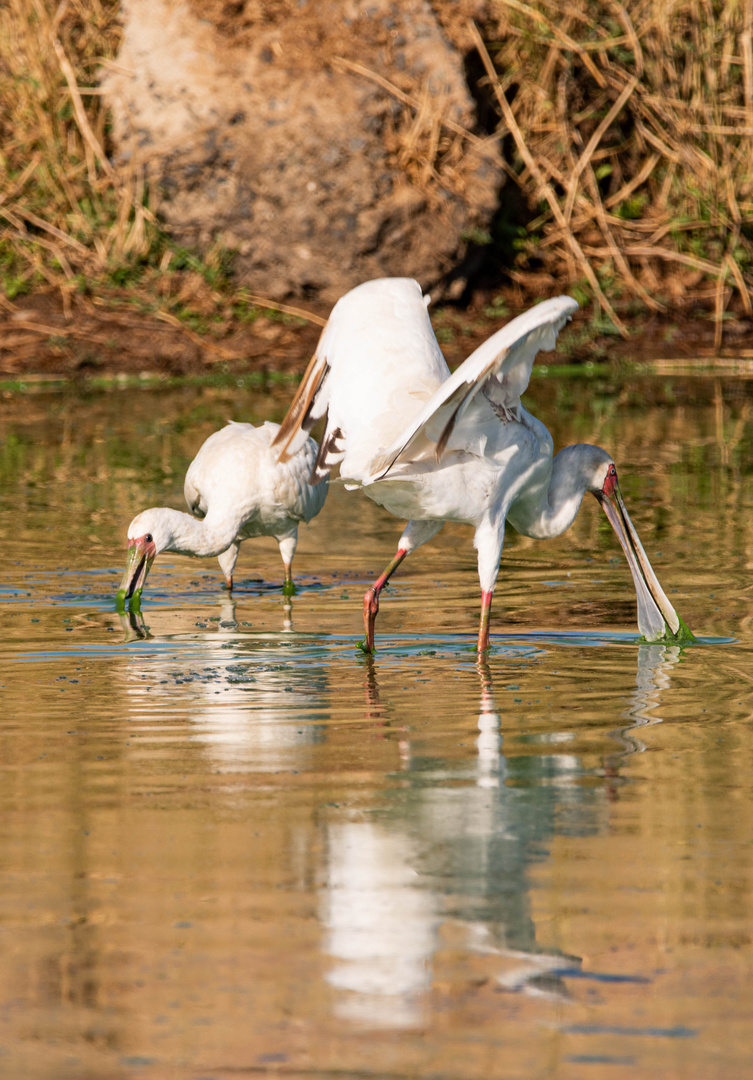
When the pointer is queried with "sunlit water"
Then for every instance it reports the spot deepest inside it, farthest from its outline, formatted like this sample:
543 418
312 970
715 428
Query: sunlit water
232 846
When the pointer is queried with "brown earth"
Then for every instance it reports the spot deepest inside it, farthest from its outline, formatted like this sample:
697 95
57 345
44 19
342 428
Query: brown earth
106 337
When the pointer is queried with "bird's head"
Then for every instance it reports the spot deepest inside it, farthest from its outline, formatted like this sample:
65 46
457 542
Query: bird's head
589 468
148 534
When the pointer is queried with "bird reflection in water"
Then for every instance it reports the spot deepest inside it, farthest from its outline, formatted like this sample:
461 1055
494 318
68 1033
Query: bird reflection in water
133 625
229 620
375 710
655 662
489 741
445 871
135 628
381 925
250 708
381 922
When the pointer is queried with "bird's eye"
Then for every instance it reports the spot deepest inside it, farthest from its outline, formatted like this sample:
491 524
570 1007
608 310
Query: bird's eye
149 538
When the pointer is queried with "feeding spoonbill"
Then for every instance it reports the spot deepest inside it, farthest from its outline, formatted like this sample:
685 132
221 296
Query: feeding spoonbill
236 489
434 447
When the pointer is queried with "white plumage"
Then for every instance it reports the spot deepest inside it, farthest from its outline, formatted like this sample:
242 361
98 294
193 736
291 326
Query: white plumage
237 489
434 447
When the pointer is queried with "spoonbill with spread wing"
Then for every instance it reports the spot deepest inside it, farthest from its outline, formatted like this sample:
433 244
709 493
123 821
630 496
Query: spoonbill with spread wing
434 447
237 489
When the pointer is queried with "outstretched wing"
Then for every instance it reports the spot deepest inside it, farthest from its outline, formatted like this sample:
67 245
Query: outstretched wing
500 368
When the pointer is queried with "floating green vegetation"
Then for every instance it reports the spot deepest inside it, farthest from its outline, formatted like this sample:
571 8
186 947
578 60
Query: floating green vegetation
683 636
251 380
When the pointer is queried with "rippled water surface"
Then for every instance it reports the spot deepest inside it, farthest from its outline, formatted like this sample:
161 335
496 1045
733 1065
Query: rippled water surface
232 846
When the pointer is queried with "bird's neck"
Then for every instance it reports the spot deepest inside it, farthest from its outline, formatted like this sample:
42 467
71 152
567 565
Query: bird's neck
549 508
191 536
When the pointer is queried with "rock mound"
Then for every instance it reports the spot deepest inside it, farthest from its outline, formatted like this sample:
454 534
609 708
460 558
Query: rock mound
323 140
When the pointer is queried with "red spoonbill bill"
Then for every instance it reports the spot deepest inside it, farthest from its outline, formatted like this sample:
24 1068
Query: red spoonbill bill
434 447
236 489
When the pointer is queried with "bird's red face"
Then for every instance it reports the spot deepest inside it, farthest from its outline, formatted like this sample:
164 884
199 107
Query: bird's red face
141 553
610 482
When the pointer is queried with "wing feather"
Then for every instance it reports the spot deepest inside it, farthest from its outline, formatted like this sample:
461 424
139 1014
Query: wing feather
376 360
308 405
193 499
501 367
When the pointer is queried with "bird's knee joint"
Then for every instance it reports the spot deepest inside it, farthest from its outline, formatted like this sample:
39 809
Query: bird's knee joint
371 601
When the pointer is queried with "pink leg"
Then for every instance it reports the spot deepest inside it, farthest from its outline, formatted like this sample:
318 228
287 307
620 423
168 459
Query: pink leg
371 599
483 630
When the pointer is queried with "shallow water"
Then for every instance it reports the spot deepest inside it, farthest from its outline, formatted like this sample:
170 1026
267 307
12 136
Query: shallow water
230 845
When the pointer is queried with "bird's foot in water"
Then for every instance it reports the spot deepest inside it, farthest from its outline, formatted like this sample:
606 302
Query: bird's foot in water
288 588
370 612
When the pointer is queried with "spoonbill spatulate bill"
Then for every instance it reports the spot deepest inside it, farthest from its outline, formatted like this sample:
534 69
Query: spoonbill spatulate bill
434 447
236 489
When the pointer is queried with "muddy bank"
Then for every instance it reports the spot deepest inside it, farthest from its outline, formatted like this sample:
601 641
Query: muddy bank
99 337
114 336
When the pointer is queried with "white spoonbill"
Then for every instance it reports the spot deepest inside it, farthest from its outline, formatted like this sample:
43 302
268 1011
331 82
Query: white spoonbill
237 489
434 447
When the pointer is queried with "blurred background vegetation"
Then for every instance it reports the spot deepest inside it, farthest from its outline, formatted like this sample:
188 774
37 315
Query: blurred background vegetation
627 131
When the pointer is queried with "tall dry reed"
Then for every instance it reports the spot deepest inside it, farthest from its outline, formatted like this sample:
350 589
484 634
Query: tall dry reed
64 209
630 128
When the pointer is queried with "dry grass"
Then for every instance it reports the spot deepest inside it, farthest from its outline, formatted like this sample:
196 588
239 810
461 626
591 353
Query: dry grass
631 130
68 217
64 209
423 142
